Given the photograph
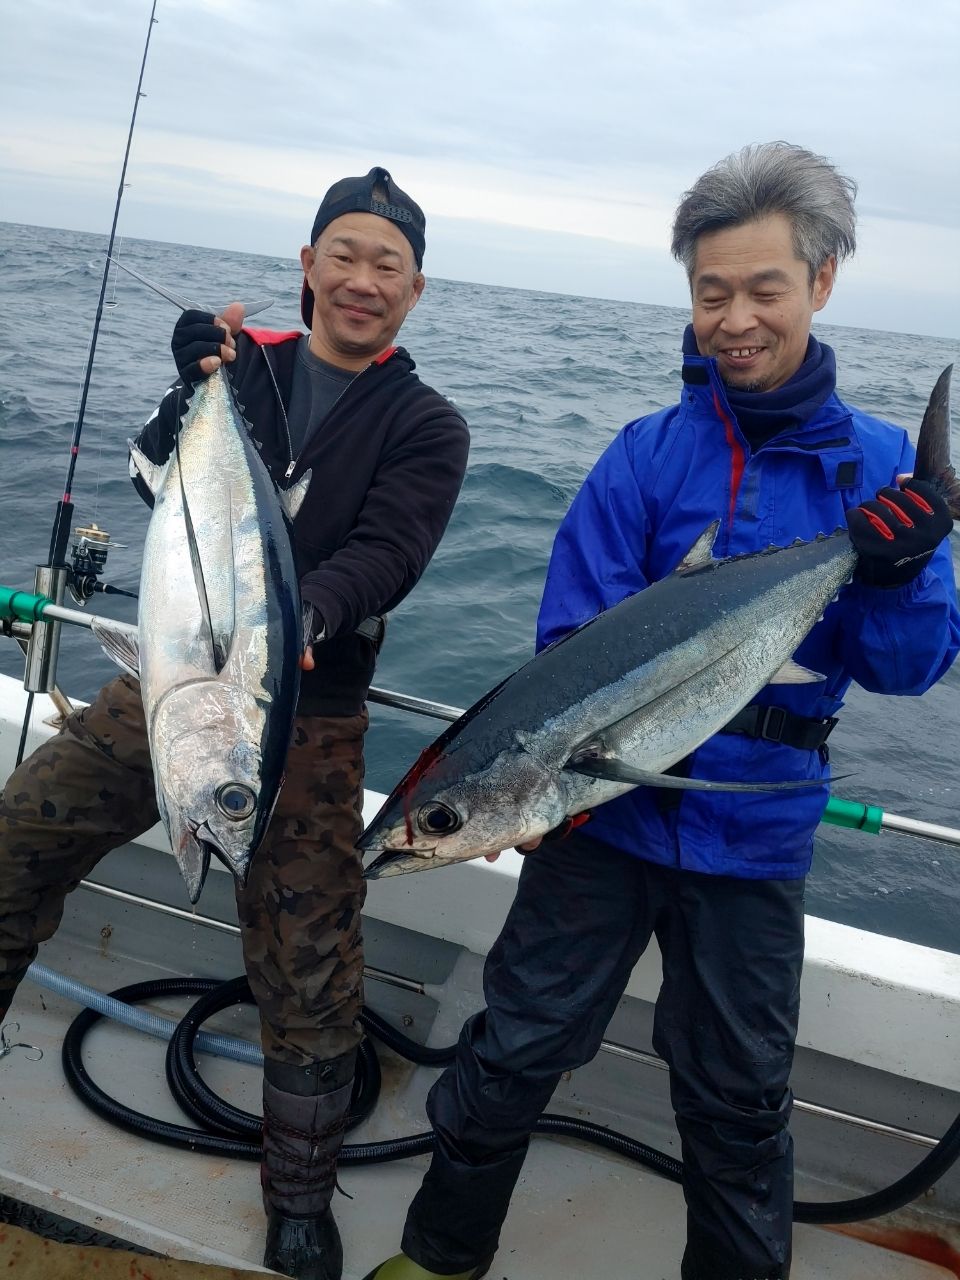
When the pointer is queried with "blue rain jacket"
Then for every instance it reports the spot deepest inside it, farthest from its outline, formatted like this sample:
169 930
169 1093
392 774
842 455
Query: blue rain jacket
662 481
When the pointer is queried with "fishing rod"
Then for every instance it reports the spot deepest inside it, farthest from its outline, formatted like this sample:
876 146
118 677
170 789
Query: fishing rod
185 304
61 524
53 577
22 609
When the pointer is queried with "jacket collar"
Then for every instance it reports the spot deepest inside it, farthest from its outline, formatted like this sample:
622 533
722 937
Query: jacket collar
814 406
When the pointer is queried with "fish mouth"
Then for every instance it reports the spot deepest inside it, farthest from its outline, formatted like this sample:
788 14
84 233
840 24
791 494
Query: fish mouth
193 859
396 862
237 866
370 841
375 840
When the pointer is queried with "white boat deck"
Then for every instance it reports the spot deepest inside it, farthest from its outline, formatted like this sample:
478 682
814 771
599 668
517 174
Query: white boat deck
576 1213
881 1019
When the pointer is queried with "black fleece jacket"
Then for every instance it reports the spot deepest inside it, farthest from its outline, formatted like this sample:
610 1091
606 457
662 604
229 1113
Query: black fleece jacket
387 464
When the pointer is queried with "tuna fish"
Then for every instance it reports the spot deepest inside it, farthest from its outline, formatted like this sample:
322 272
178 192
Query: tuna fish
220 635
615 703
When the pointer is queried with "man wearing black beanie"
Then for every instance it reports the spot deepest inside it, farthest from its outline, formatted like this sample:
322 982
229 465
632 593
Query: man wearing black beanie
387 456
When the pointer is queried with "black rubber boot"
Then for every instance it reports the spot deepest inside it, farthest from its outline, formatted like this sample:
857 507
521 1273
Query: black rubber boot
403 1268
703 1261
305 1248
304 1114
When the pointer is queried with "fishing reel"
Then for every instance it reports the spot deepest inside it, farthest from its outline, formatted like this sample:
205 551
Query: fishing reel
88 559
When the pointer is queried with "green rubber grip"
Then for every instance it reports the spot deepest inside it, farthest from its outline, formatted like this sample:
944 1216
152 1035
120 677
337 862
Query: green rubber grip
853 814
22 605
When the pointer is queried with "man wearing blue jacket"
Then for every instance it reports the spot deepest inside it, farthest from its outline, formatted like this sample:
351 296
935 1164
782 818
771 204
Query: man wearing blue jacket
761 441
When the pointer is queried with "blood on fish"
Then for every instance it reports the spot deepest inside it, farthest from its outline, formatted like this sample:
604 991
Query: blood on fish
426 758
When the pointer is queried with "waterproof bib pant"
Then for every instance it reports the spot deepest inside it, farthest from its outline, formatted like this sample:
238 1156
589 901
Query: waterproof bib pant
90 789
726 1023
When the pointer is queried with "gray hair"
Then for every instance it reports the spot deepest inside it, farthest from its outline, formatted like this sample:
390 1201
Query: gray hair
772 177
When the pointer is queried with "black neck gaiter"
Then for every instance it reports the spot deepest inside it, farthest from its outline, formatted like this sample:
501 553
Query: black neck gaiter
761 415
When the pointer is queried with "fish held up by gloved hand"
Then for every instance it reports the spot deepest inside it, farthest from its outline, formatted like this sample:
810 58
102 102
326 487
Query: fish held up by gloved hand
617 702
220 635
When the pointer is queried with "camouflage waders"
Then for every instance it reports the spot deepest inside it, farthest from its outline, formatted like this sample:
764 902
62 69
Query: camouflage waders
91 788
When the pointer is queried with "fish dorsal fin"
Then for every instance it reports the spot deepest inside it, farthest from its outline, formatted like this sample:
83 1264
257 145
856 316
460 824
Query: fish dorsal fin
610 770
151 473
701 553
121 646
792 673
292 499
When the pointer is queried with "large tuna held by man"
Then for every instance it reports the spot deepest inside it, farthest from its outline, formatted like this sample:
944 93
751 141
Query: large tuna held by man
220 636
618 701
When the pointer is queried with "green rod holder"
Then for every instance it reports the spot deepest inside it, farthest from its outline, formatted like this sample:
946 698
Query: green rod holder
22 606
853 814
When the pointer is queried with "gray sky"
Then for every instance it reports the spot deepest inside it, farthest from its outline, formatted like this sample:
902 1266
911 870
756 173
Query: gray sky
548 140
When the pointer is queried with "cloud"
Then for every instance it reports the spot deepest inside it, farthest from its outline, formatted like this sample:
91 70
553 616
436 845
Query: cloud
547 115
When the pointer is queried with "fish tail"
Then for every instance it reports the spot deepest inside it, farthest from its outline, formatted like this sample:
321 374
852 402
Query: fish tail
933 446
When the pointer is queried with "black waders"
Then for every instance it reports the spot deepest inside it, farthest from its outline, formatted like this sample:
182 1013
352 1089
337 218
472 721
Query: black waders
304 1114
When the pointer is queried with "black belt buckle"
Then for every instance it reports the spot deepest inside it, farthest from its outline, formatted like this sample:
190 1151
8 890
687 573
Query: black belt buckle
374 629
772 722
829 724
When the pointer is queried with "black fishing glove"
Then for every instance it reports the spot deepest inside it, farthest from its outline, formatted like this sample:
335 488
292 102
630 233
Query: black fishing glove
897 532
195 336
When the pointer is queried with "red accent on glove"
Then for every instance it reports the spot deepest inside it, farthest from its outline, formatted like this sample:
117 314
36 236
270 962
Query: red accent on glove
567 825
897 532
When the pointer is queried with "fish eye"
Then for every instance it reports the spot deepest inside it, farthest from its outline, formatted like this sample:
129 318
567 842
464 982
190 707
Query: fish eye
438 820
236 801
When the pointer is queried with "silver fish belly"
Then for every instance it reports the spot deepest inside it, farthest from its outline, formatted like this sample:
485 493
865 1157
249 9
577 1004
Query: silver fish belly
219 625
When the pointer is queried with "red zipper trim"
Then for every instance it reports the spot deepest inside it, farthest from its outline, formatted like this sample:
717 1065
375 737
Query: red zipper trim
737 457
271 337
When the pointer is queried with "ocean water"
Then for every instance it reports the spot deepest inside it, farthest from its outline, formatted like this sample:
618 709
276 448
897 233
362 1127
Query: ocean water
545 382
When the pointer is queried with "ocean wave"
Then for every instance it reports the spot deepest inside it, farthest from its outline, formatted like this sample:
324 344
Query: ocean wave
545 382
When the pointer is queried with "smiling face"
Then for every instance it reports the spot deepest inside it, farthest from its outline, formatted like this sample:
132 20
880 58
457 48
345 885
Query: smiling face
364 281
753 302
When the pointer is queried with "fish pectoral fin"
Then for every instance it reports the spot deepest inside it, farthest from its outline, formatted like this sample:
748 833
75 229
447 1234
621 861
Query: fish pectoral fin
122 647
292 499
701 553
617 771
792 673
151 473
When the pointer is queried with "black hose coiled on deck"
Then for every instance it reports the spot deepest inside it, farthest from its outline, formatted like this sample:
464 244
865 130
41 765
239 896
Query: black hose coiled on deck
230 1131
79 1079
198 1100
